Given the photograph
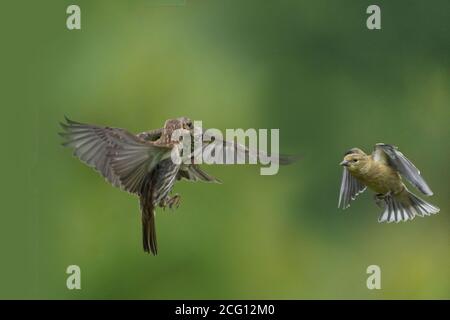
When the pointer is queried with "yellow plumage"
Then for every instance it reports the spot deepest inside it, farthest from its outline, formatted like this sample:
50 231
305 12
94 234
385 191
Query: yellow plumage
382 172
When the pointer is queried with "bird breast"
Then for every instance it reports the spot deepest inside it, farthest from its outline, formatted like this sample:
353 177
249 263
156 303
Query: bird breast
163 180
381 178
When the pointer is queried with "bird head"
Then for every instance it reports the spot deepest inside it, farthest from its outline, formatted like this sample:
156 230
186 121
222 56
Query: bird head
183 123
354 160
178 123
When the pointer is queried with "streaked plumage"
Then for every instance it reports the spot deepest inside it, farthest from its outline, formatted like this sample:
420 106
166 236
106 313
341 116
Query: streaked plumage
381 172
141 164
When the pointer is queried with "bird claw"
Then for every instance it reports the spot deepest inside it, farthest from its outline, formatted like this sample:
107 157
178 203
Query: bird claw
174 201
379 199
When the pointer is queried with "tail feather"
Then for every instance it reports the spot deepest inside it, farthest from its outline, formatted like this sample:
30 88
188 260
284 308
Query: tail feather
405 206
148 227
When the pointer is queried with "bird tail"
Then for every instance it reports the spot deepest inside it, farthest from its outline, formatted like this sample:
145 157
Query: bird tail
405 206
148 226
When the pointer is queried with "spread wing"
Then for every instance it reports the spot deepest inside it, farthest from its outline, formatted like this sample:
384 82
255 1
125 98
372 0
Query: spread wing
119 156
350 188
193 172
400 163
151 135
240 151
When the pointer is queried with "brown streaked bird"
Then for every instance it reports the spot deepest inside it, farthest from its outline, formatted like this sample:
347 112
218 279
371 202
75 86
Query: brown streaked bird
142 165
382 172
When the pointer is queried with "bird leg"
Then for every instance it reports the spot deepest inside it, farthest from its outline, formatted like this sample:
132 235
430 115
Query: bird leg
379 199
173 201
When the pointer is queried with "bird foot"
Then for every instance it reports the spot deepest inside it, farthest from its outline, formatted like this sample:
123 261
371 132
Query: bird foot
379 199
173 201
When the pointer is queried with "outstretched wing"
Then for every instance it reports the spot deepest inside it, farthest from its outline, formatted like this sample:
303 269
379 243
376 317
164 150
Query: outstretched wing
193 172
240 151
350 188
119 156
151 135
400 163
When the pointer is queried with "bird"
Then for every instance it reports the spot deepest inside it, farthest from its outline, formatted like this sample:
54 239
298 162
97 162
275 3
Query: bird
141 164
382 172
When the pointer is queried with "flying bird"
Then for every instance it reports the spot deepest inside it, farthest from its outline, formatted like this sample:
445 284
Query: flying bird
382 172
141 164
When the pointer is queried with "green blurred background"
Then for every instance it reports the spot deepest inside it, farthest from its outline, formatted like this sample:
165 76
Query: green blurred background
310 68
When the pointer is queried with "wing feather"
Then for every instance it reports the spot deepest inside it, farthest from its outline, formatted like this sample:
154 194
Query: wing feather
240 151
404 166
350 189
119 156
193 172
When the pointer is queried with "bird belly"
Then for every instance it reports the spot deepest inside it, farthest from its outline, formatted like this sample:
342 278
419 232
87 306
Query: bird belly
378 186
383 179
164 180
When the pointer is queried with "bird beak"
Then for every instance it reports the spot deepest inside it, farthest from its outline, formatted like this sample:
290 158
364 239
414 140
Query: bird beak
344 163
188 129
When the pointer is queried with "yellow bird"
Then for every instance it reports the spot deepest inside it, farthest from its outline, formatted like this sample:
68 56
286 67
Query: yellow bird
382 172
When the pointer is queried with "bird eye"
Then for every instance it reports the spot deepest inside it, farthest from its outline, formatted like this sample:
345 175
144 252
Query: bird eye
355 160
